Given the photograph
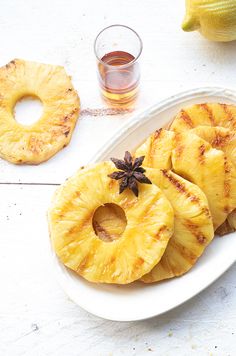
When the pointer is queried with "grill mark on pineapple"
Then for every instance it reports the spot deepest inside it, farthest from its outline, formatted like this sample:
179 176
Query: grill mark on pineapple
206 212
65 119
193 198
11 64
220 140
103 234
152 147
78 227
60 131
179 150
139 262
183 251
193 228
229 115
202 150
209 112
180 186
66 133
69 204
81 267
157 133
64 125
36 145
78 193
227 210
227 183
226 166
178 146
186 118
112 259
182 189
162 229
151 152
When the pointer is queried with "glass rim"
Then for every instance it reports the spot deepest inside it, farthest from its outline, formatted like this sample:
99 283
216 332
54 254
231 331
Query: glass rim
122 65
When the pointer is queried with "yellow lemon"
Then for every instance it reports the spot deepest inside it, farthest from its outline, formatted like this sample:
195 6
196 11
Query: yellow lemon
214 19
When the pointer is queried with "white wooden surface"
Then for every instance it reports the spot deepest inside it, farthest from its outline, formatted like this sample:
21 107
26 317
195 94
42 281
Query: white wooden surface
36 317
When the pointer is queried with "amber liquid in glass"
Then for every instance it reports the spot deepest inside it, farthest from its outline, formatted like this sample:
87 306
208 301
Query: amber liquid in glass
119 78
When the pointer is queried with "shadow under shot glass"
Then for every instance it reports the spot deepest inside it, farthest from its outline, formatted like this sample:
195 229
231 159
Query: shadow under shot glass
117 49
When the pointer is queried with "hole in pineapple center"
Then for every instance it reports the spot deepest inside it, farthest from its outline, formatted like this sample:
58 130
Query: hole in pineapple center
109 222
28 110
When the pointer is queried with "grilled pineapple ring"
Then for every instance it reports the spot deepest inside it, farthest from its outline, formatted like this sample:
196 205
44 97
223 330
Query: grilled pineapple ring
206 114
216 115
195 160
225 140
193 228
38 142
157 149
135 253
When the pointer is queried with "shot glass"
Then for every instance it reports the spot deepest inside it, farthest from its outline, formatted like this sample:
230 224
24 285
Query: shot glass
117 49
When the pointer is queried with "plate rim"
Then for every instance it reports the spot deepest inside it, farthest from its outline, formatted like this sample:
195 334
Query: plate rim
135 121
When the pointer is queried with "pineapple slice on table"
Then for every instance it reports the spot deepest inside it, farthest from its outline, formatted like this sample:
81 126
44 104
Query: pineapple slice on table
36 143
125 259
225 140
206 114
193 227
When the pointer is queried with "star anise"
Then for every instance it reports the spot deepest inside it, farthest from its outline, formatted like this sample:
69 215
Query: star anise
130 172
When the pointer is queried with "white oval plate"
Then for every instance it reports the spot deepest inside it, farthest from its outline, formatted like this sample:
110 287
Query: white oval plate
138 301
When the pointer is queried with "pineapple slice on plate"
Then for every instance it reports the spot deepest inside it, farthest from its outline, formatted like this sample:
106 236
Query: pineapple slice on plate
220 138
207 114
193 228
225 140
140 247
216 115
194 159
157 149
33 144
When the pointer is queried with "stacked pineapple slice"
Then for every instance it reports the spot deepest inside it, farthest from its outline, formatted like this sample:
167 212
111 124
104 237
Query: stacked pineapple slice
109 234
193 228
123 260
225 140
211 115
